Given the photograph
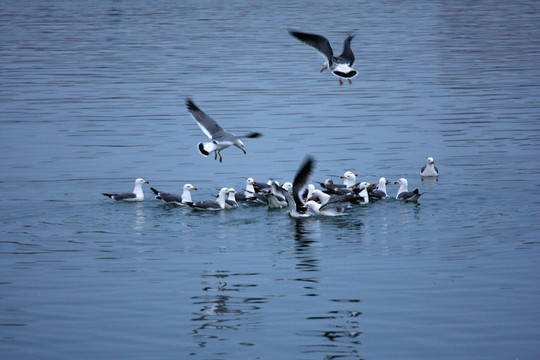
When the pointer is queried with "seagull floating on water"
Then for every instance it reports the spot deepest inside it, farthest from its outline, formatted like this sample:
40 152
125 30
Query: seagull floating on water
328 209
176 199
212 205
343 200
221 139
250 194
404 193
230 202
349 179
276 196
429 169
380 191
341 65
136 195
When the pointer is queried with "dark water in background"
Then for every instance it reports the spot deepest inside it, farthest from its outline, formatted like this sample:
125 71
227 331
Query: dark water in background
91 97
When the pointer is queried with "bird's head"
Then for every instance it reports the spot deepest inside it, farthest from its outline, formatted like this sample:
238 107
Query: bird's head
239 144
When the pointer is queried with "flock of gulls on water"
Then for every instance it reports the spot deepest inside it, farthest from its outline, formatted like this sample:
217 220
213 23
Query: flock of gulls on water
301 197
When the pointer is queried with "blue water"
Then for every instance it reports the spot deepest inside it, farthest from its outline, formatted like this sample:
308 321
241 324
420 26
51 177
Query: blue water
92 97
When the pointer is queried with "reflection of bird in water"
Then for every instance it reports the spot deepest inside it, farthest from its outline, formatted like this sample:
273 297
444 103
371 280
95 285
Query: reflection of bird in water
306 232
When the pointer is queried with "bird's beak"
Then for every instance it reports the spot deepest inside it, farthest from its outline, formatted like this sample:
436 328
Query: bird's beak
355 174
146 182
343 177
310 198
231 191
371 184
194 188
396 182
244 150
387 182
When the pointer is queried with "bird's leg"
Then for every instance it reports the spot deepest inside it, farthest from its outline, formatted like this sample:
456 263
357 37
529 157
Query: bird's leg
220 158
340 82
324 68
350 81
215 155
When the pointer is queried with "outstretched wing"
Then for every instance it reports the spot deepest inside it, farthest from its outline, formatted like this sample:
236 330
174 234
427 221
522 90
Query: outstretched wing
347 53
208 125
301 179
318 42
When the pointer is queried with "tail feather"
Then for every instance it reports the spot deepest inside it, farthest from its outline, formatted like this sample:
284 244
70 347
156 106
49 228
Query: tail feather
108 195
206 148
253 135
345 75
154 191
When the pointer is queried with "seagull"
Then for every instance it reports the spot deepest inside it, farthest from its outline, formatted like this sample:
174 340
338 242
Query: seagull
250 194
362 192
230 202
329 209
212 205
136 195
169 198
221 139
341 65
404 193
429 169
343 200
331 188
297 208
380 191
349 179
276 196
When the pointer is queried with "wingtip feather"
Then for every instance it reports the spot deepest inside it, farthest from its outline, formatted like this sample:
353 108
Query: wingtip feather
191 105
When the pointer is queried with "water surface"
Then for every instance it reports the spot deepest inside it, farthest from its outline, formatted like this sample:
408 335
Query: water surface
93 97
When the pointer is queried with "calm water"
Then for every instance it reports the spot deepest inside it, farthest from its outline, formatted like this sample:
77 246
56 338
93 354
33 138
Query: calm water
92 97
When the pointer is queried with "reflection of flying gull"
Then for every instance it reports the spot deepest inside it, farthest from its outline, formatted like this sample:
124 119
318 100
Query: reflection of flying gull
221 139
341 65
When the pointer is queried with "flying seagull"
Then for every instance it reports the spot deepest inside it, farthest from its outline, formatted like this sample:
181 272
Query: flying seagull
297 208
221 139
136 195
341 65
